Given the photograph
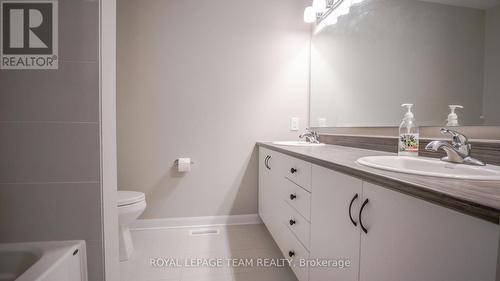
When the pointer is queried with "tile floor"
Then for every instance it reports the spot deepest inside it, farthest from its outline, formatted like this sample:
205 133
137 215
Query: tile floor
251 243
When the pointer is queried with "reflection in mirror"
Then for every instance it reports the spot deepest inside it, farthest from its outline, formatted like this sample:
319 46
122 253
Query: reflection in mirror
382 53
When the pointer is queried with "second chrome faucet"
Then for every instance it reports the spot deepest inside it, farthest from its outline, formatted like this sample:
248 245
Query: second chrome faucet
456 152
310 136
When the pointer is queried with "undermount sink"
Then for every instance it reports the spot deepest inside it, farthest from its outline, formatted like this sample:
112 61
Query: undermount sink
297 143
431 167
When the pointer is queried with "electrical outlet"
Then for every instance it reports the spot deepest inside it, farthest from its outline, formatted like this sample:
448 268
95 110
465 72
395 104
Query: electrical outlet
294 123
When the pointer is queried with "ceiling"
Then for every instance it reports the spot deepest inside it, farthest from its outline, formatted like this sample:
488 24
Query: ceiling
477 4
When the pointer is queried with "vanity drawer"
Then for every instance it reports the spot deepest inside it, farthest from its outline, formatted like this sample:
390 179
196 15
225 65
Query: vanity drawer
298 171
296 223
293 249
298 198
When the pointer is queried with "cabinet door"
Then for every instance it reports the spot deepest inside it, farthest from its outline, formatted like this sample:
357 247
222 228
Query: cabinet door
333 235
270 188
265 181
413 240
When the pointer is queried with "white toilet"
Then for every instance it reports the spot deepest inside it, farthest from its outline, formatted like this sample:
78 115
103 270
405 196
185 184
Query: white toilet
131 204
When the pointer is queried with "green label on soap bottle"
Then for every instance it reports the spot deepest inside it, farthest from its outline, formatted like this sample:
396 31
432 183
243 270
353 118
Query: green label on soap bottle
408 143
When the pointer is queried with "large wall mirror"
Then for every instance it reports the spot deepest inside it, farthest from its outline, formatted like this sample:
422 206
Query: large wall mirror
379 54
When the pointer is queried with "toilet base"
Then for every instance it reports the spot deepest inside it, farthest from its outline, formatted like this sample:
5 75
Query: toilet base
126 245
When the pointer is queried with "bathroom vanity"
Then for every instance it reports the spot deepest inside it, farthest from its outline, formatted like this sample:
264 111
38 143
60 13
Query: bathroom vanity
319 204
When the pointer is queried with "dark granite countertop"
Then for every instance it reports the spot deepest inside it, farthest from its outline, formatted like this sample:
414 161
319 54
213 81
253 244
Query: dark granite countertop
477 198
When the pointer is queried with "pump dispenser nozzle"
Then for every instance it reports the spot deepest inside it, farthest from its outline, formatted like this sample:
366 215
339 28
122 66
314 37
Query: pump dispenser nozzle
452 117
409 114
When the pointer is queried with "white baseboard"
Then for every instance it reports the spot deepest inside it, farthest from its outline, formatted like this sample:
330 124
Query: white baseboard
195 222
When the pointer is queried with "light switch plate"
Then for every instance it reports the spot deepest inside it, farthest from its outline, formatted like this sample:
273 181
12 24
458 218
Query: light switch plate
294 123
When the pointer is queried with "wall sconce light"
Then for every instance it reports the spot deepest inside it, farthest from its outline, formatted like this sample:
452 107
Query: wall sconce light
327 12
319 6
309 15
318 9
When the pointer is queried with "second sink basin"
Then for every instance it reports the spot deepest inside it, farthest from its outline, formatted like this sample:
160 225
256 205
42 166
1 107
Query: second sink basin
431 167
297 143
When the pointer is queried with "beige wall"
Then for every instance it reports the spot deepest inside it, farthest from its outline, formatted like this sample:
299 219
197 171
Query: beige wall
206 80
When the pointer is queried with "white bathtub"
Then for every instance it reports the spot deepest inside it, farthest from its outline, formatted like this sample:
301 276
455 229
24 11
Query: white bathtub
43 261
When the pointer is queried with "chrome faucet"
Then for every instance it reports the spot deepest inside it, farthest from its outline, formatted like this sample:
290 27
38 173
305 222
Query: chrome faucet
458 151
310 136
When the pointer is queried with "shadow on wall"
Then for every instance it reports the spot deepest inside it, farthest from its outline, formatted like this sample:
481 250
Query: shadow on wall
167 184
244 189
241 194
246 192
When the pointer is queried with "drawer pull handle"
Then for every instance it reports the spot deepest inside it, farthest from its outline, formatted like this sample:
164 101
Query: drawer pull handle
291 253
293 196
350 208
293 170
360 216
266 162
292 222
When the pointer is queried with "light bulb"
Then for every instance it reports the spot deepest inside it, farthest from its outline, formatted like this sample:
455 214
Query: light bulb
309 15
319 6
344 8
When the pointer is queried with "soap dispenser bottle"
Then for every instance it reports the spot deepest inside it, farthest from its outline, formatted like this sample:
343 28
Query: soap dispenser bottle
408 134
452 120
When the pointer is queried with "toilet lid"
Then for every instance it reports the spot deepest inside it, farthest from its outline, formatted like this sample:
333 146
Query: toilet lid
129 197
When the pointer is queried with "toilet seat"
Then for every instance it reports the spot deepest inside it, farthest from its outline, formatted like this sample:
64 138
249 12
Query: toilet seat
130 205
125 198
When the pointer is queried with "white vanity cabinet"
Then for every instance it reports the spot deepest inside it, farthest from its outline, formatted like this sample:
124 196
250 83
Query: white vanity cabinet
406 238
284 206
335 232
413 240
